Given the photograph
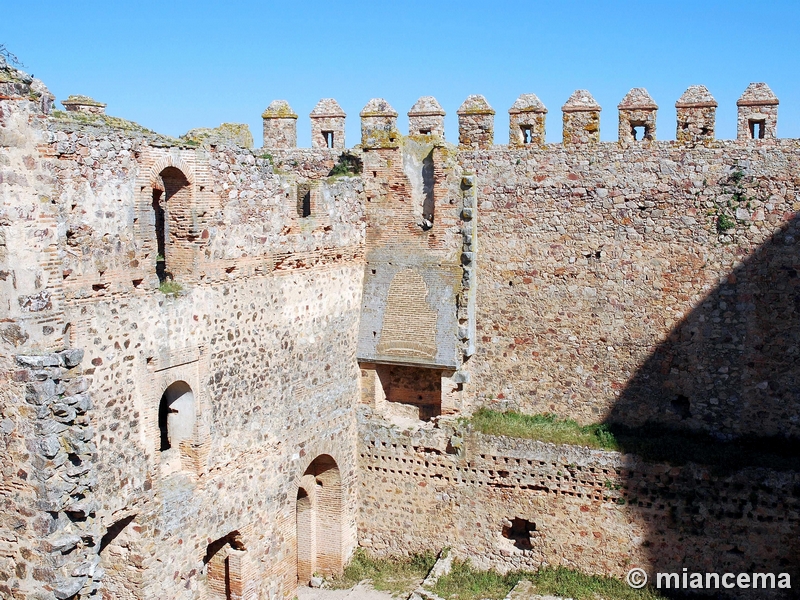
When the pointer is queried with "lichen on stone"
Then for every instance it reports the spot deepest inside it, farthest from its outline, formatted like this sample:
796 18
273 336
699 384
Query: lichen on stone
279 109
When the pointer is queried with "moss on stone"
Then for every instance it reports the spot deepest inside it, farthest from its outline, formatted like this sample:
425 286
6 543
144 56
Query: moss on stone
83 100
227 134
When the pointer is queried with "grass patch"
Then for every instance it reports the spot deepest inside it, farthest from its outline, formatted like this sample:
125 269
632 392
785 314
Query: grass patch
467 583
397 575
170 287
545 428
654 443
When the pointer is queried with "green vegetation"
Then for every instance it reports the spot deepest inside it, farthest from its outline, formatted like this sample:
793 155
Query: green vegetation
348 166
736 176
545 428
654 443
725 223
397 575
733 185
467 583
170 287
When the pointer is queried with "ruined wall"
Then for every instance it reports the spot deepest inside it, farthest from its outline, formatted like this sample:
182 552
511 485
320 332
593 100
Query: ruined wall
511 503
253 335
262 334
49 519
628 282
654 283
31 311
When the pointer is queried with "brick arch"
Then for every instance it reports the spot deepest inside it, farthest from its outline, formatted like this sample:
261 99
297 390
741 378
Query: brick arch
317 451
169 161
173 200
319 518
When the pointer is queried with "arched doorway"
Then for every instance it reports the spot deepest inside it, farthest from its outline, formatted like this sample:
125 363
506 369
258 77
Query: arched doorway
319 520
172 195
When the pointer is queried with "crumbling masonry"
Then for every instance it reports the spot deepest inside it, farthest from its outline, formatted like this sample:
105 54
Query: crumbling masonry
224 368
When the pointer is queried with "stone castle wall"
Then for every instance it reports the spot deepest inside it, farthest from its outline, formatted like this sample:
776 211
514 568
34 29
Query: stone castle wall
634 283
263 335
595 511
608 291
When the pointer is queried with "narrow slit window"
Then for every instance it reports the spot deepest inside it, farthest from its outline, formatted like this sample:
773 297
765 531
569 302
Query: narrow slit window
303 200
757 129
328 135
158 209
425 131
527 134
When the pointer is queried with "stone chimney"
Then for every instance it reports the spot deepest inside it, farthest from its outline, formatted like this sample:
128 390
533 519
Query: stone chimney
526 121
581 119
327 125
758 113
280 125
84 104
697 114
637 117
426 117
379 125
475 123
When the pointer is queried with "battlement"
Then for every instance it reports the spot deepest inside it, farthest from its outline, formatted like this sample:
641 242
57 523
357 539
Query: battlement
190 323
695 122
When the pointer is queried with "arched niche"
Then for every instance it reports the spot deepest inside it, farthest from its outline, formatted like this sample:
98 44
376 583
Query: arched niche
172 211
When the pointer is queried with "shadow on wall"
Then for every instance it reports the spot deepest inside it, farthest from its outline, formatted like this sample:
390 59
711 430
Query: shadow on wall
719 400
731 368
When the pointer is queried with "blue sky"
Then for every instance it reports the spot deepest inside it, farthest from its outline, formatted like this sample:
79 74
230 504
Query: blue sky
175 65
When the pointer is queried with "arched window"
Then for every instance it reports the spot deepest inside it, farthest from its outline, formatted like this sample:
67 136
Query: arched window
176 415
172 196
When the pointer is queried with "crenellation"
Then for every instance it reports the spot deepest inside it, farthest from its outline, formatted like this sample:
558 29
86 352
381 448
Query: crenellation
696 115
637 117
379 125
426 117
475 123
758 113
581 119
84 104
296 335
280 125
327 125
526 121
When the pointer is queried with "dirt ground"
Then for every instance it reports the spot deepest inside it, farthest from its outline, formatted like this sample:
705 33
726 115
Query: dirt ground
360 592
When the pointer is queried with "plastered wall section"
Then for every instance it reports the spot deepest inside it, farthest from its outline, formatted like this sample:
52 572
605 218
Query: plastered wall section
595 511
615 283
413 276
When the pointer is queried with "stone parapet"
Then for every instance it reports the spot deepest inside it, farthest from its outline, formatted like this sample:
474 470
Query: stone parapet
280 125
475 123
